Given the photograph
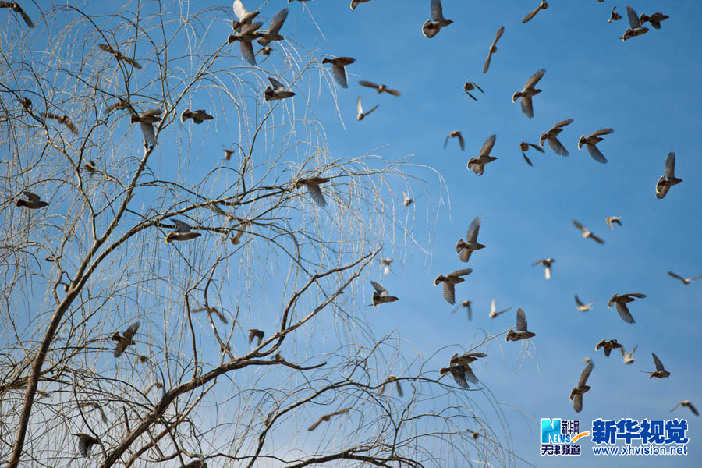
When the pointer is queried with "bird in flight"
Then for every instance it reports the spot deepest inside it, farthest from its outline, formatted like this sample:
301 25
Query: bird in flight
552 137
197 116
380 88
621 300
612 220
529 91
542 6
685 281
494 313
456 134
431 27
668 178
465 248
312 184
493 48
581 306
607 346
31 200
381 295
477 165
591 142
125 339
586 233
576 394
14 6
688 404
660 372
181 232
520 332
635 28
360 114
339 65
450 281
546 262
119 56
276 91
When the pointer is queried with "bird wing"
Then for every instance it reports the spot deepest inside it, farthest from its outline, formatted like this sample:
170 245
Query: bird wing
578 225
131 331
639 295
459 375
316 193
148 130
132 62
394 92
379 288
693 409
339 75
634 21
463 272
624 312
277 21
536 147
579 303
31 196
527 106
563 123
368 84
181 226
675 276
449 291
464 254
359 106
528 161
578 402
596 154
446 140
659 364
670 165
531 14
275 83
488 59
487 146
557 146
436 13
521 320
239 9
585 374
470 375
596 239
498 35
29 22
533 79
246 50
473 229
461 141
603 131
155 113
371 110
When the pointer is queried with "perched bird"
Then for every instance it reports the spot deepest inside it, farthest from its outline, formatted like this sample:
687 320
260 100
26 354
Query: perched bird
386 262
614 16
655 19
431 27
31 201
125 339
493 310
380 295
85 441
546 262
360 115
398 385
621 301
612 220
591 142
14 6
552 137
493 49
628 358
119 56
276 91
477 165
339 65
197 116
635 28
312 184
607 346
524 147
576 395
469 310
587 234
272 34
181 232
527 92
470 86
660 372
668 178
456 134
244 34
243 17
687 403
581 306
406 200
380 88
542 6
450 281
465 248
255 333
685 281
62 119
327 417
146 120
521 332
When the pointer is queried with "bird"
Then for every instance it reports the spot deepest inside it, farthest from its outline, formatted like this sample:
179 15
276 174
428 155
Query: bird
386 262
276 91
360 115
119 56
466 358
431 27
546 262
85 442
243 16
660 372
62 119
494 313
181 232
255 333
469 310
464 248
524 147
90 167
621 301
685 281
493 48
607 345
576 394
456 134
542 6
339 65
635 28
460 373
380 295
688 404
581 306
228 153
470 86
327 417
146 121
668 178
31 201
406 200
591 142
197 116
245 33
380 88
312 184
552 137
125 339
655 19
450 281
14 6
398 385
477 165
527 92
272 34
521 332
614 16
628 358
612 220
195 464
587 234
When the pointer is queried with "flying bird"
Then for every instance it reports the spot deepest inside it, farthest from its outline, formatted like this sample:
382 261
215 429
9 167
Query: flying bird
524 147
245 33
431 27
327 417
386 262
354 3
546 262
587 234
459 367
465 248
469 310
668 178
181 232
62 119
272 34
576 395
31 200
398 385
406 200
228 153
542 6
243 16
381 295
612 220
312 184
197 116
15 7
635 28
456 134
85 442
494 313
688 404
591 142
125 339
450 281
521 332
276 91
655 19
493 49
614 16
119 56
628 358
660 372
470 86
339 65
607 346
255 333
360 115
527 92
685 281
552 137
477 165
581 306
146 120
380 88
621 301
465 359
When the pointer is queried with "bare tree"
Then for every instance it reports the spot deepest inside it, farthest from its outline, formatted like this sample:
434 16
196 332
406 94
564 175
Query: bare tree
137 349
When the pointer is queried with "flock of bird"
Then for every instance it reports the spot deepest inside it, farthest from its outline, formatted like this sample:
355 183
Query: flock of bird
246 31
